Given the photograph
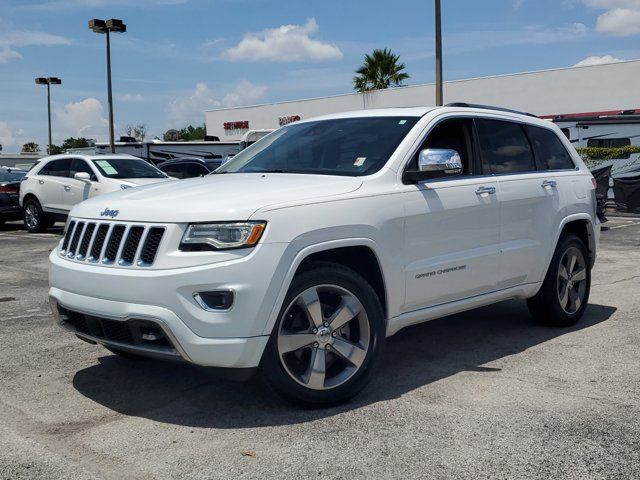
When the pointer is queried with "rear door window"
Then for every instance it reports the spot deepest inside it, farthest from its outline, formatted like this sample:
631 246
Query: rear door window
504 147
550 152
56 168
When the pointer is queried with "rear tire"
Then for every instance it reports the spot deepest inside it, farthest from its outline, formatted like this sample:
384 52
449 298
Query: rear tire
35 220
328 338
563 297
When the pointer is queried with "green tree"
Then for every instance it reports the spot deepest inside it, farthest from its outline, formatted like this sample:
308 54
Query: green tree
186 133
56 150
71 143
381 69
30 147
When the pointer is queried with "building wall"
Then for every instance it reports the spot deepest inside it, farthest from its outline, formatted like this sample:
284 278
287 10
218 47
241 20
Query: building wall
550 92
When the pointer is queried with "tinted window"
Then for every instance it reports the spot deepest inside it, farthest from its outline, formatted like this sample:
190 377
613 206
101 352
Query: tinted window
567 133
505 147
550 152
127 168
11 175
56 168
175 170
78 165
454 134
608 142
195 170
344 146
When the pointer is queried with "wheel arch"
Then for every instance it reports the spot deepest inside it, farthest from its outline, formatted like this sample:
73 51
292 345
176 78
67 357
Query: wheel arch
580 224
30 196
358 254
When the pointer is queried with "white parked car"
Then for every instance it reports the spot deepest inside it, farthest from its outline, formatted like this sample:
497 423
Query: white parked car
309 248
56 183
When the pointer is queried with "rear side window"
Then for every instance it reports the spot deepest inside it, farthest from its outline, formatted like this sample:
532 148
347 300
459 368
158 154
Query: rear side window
504 146
550 152
56 168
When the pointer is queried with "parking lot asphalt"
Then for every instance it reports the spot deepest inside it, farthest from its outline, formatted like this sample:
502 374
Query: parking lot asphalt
484 394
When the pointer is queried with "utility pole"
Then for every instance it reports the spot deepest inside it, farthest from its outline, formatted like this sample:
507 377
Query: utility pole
439 89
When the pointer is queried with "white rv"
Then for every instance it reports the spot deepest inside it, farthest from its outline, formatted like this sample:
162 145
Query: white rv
158 151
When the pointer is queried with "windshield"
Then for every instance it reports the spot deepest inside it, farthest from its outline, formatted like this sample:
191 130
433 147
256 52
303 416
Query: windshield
345 146
11 176
127 168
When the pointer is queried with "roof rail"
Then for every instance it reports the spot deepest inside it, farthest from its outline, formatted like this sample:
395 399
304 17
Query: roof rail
488 107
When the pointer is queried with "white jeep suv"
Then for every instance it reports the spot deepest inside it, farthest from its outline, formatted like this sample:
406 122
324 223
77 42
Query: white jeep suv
56 183
304 252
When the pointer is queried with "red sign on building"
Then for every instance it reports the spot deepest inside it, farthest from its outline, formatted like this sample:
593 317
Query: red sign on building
288 119
239 125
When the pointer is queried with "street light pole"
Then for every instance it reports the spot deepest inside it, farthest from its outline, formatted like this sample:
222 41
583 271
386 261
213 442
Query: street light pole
48 81
106 27
109 97
439 88
49 115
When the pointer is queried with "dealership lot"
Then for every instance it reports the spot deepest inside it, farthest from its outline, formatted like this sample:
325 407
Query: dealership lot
485 394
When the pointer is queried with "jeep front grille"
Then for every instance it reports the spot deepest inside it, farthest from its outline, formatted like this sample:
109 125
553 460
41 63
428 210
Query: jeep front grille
112 243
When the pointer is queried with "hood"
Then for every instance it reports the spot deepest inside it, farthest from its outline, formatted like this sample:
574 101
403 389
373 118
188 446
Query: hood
134 182
234 196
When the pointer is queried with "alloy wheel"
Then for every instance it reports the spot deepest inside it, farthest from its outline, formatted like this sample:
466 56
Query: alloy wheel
324 337
31 216
572 280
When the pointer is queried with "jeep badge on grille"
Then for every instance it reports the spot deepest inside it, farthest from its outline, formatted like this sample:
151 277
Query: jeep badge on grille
109 213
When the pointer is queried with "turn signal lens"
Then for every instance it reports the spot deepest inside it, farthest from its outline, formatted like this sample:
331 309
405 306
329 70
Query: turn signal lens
222 236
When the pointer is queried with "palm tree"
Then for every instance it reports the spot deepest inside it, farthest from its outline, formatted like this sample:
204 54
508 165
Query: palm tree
380 70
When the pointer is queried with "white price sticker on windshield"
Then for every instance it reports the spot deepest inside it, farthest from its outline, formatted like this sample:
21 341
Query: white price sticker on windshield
107 167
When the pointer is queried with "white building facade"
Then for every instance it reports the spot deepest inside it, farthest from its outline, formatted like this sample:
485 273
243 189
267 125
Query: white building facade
547 93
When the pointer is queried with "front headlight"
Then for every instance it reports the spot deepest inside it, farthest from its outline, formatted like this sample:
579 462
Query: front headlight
222 236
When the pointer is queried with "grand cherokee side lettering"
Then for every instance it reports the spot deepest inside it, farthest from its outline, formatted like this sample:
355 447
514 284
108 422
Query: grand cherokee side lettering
441 272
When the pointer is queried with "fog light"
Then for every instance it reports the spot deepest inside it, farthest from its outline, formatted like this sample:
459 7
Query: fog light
215 300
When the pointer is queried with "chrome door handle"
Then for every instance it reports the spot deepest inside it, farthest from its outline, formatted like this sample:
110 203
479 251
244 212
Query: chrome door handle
489 190
549 184
40 182
67 188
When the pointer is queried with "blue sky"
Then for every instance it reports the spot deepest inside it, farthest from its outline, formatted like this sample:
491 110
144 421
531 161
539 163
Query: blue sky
182 57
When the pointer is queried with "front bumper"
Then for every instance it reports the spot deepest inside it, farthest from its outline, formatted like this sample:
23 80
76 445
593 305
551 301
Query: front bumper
183 344
233 338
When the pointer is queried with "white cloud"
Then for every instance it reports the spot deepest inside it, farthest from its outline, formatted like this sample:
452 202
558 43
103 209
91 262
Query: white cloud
287 43
517 4
7 137
81 119
245 93
7 54
12 39
189 109
130 97
597 60
622 17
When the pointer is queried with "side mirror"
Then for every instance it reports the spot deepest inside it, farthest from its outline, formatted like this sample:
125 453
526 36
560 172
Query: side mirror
434 163
82 176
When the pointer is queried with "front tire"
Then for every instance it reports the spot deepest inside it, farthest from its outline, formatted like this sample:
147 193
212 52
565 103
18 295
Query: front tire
35 220
563 297
328 338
